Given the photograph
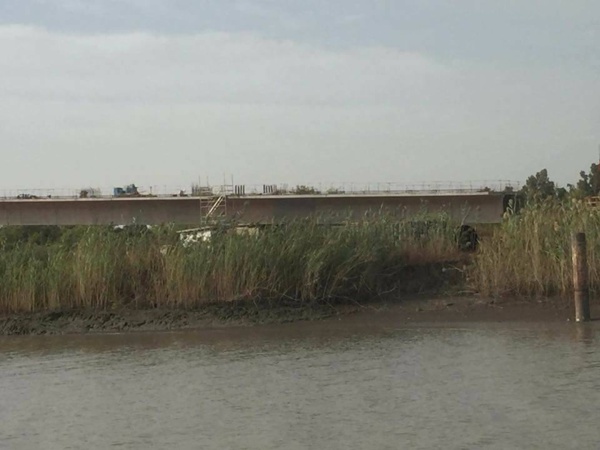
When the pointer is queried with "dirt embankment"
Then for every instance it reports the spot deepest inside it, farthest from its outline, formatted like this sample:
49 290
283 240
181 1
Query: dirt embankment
122 320
395 312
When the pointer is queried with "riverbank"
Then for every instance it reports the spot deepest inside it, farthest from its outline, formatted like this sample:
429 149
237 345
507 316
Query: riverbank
395 312
100 279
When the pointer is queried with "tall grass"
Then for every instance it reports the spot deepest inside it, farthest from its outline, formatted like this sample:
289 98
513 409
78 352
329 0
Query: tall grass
529 255
303 261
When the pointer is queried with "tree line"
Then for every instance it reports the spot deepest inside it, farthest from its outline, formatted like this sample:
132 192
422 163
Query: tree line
540 187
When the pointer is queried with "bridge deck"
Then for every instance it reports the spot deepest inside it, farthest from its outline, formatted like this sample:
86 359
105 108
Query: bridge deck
473 208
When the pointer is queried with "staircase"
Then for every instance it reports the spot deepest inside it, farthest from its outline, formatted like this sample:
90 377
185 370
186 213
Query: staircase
213 209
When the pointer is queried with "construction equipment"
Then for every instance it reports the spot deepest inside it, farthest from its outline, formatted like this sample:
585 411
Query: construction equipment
130 190
90 192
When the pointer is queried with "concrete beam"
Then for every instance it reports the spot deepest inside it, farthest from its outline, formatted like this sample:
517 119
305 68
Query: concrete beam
468 208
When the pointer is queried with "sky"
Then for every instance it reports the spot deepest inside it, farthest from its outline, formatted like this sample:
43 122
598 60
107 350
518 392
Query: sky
165 93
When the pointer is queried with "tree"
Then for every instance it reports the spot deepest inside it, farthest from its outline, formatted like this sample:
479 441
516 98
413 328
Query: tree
588 184
539 187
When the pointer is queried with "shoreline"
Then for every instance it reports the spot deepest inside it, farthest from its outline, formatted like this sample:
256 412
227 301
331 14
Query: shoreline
393 312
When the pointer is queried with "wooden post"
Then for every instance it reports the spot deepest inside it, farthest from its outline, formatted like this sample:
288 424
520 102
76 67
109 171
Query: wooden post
580 278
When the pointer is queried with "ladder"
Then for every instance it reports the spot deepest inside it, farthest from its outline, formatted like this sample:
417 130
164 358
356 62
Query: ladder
212 209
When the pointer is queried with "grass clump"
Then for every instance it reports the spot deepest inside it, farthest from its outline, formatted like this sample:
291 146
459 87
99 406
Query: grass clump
529 254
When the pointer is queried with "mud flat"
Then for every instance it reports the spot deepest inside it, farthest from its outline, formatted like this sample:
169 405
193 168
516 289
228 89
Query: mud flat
393 312
124 320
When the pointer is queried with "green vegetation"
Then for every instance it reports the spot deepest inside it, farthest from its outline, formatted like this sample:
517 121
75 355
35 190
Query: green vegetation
100 268
588 184
539 187
529 254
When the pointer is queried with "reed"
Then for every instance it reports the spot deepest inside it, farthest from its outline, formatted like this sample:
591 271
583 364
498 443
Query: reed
97 268
529 254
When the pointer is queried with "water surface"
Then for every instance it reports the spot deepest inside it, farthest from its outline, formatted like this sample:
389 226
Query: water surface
306 386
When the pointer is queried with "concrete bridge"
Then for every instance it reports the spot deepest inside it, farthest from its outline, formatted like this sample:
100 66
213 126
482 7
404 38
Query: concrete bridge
470 208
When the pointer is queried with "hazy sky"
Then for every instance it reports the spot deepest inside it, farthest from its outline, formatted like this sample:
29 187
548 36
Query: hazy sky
157 92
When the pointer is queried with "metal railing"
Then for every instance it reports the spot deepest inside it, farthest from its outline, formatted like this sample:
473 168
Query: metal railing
381 188
342 188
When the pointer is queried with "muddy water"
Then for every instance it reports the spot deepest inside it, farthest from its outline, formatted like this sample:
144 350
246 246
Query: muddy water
306 386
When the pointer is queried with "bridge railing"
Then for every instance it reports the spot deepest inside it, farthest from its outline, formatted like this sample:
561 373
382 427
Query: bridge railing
350 188
342 188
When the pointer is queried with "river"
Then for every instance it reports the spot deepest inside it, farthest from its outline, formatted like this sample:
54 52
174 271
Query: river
322 385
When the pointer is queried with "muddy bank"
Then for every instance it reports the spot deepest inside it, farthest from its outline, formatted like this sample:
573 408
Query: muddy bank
476 309
122 320
396 311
